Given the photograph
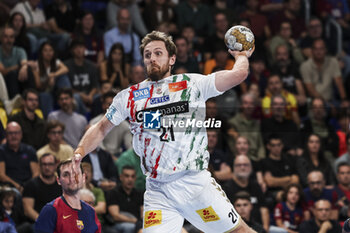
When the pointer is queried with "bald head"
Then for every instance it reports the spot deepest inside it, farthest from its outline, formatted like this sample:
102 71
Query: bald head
13 135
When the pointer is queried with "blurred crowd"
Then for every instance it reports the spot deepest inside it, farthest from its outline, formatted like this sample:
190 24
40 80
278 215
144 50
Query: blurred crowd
282 154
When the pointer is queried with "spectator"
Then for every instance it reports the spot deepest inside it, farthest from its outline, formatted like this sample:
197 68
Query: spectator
221 27
87 30
289 213
183 57
119 138
104 171
50 75
13 64
288 70
278 169
292 14
221 60
100 201
96 107
131 159
346 156
69 204
122 34
317 124
244 124
196 14
259 23
61 14
75 123
137 75
113 10
244 208
275 88
317 190
157 12
56 146
343 130
18 162
343 189
12 212
41 189
115 70
39 27
125 204
284 37
322 221
242 181
219 160
83 76
313 158
18 23
319 72
285 129
33 127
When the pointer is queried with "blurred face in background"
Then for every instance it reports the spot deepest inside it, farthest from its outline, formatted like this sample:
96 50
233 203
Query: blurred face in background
47 52
242 168
314 144
243 208
242 145
343 175
87 22
13 134
293 195
128 178
318 50
212 139
18 22
221 22
322 210
316 183
48 166
55 135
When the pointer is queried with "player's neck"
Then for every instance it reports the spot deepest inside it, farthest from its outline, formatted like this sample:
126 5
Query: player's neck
73 200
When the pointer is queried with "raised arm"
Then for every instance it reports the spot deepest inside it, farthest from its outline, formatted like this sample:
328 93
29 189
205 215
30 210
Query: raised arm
226 79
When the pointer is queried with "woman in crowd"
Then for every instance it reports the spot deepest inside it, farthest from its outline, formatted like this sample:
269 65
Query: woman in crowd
313 158
289 213
115 69
19 25
86 29
50 74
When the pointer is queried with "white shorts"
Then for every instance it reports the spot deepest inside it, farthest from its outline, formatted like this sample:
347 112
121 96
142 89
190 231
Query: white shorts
195 196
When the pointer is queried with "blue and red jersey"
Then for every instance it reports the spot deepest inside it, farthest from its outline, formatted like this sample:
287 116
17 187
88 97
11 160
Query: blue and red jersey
58 217
290 218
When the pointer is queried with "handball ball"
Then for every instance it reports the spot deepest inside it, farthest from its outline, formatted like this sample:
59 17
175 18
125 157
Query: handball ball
239 38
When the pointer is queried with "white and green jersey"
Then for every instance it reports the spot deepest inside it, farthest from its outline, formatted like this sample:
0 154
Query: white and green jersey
166 119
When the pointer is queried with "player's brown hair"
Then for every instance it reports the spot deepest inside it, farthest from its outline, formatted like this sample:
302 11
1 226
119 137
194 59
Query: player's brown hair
160 36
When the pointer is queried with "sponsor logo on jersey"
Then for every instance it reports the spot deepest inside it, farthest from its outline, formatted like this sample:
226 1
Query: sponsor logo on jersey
151 120
178 86
141 94
208 214
65 217
165 110
80 224
158 100
152 218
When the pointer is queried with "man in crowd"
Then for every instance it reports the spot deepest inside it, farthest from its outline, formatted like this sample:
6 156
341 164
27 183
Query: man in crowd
75 123
41 189
125 204
184 59
56 146
322 221
18 161
343 189
33 127
242 181
67 212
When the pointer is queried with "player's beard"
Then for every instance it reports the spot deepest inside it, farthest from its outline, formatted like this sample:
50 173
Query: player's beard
155 72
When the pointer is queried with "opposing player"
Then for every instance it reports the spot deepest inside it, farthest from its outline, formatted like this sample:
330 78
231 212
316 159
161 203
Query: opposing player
175 160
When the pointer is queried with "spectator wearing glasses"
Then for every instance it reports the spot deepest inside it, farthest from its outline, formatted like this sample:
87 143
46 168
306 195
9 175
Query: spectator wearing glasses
56 146
41 189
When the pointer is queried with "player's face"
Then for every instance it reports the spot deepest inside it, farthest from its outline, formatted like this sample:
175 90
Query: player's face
68 182
293 195
344 175
157 60
243 208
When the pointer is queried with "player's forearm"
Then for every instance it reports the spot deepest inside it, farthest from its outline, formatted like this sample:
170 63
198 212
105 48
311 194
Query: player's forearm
93 137
225 80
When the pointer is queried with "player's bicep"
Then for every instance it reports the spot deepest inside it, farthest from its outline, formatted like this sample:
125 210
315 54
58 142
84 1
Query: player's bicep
46 222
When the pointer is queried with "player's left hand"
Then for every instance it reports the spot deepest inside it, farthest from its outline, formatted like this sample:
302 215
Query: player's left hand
247 53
